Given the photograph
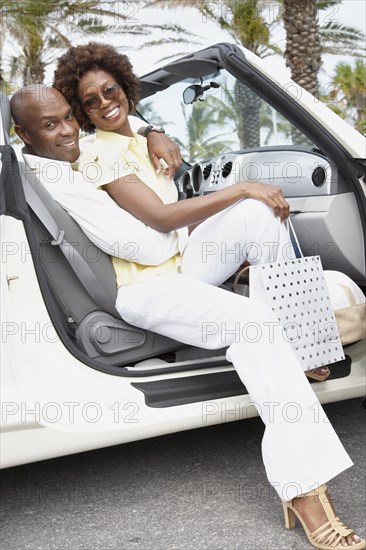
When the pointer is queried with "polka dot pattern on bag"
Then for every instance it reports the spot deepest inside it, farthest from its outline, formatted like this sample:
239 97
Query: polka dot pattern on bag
298 295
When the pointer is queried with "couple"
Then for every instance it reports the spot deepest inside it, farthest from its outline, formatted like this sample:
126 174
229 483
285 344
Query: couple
119 195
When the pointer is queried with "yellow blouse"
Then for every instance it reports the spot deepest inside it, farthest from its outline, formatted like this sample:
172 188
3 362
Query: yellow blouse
111 156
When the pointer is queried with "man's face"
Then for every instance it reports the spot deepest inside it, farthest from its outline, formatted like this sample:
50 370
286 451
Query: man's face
50 129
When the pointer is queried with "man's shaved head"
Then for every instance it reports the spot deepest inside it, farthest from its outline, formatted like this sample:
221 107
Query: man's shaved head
45 122
30 97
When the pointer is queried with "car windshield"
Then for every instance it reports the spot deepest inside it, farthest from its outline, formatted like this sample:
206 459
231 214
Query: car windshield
228 116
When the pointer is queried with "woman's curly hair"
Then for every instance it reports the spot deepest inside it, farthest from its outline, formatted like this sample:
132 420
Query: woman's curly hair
78 60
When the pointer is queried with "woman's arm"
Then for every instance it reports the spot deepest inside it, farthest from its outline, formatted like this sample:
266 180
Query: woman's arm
138 199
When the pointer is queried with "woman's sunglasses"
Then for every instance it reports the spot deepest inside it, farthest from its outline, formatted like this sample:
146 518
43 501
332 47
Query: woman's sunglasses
93 103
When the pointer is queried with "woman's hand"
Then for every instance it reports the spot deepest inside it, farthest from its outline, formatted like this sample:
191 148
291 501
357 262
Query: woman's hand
161 146
270 195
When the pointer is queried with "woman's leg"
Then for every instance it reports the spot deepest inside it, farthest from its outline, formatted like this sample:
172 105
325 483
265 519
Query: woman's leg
300 448
248 230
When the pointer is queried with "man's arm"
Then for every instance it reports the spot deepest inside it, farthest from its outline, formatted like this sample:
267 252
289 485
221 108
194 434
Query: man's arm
159 146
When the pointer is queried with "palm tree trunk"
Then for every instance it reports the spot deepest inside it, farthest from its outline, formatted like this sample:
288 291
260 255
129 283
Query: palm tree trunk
2 35
248 103
34 74
303 48
361 112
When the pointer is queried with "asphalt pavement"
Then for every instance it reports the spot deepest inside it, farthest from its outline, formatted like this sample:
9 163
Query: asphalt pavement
198 490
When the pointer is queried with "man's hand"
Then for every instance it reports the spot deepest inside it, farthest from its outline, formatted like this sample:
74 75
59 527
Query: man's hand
161 146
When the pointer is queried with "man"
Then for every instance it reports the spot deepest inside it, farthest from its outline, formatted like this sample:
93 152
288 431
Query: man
45 123
183 303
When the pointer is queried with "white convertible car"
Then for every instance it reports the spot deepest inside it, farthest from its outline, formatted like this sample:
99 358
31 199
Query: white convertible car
75 376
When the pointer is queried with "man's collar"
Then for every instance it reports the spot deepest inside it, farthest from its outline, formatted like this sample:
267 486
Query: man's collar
37 163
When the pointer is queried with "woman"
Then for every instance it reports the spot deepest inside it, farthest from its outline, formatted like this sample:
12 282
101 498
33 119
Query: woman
180 298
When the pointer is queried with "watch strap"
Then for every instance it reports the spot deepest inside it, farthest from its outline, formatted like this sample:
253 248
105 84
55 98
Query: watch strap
153 128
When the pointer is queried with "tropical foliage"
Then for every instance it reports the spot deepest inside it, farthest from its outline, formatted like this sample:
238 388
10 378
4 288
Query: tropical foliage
249 23
37 29
348 96
200 142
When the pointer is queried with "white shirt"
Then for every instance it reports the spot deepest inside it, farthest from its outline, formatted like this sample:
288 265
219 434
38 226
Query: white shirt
115 231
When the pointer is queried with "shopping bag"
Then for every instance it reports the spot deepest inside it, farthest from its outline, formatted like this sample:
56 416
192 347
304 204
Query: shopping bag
297 293
349 304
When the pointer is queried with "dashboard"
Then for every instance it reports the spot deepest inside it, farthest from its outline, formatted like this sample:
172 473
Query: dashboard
299 173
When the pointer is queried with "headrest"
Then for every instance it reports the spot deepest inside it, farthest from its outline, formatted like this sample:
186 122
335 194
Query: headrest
5 118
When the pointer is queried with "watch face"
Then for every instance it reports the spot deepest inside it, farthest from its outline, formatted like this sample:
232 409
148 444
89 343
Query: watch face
152 128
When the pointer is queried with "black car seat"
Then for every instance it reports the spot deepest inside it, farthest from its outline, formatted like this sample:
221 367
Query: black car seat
94 324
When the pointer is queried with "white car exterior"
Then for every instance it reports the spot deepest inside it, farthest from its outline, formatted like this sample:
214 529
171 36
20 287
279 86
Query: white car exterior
55 404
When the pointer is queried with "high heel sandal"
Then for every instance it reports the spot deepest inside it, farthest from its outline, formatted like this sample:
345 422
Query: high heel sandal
330 533
318 377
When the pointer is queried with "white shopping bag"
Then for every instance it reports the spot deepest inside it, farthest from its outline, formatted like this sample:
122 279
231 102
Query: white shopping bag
297 292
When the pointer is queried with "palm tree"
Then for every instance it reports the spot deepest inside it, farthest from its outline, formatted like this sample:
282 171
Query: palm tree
303 48
306 40
147 112
39 27
201 143
246 22
350 89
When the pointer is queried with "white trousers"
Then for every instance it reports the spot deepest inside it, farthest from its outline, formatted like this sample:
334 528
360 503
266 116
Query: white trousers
300 448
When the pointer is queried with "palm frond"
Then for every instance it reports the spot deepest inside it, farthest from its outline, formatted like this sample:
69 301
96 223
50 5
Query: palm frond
166 41
59 39
170 28
340 39
325 4
16 64
173 4
342 30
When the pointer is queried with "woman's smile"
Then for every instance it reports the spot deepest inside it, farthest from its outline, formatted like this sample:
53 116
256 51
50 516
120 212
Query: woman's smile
104 102
112 114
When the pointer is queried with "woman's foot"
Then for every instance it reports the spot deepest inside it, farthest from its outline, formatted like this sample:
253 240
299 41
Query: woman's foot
317 512
319 374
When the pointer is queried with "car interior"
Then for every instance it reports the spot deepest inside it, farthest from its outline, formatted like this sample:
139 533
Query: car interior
321 185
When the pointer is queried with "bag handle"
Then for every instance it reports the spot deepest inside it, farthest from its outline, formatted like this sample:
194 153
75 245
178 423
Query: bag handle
291 229
237 277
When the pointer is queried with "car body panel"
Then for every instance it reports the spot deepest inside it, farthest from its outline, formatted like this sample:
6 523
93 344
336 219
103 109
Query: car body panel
56 400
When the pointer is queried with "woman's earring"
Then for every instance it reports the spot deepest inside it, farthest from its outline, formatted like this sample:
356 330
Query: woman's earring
131 105
88 127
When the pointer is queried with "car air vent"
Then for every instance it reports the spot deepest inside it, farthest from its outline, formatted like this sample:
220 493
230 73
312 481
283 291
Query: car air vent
207 171
196 177
187 185
318 151
318 176
227 169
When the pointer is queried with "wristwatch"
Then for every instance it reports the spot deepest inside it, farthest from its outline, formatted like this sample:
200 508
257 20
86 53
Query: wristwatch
152 128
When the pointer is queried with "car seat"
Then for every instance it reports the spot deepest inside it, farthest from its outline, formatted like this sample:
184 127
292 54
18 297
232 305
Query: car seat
94 324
